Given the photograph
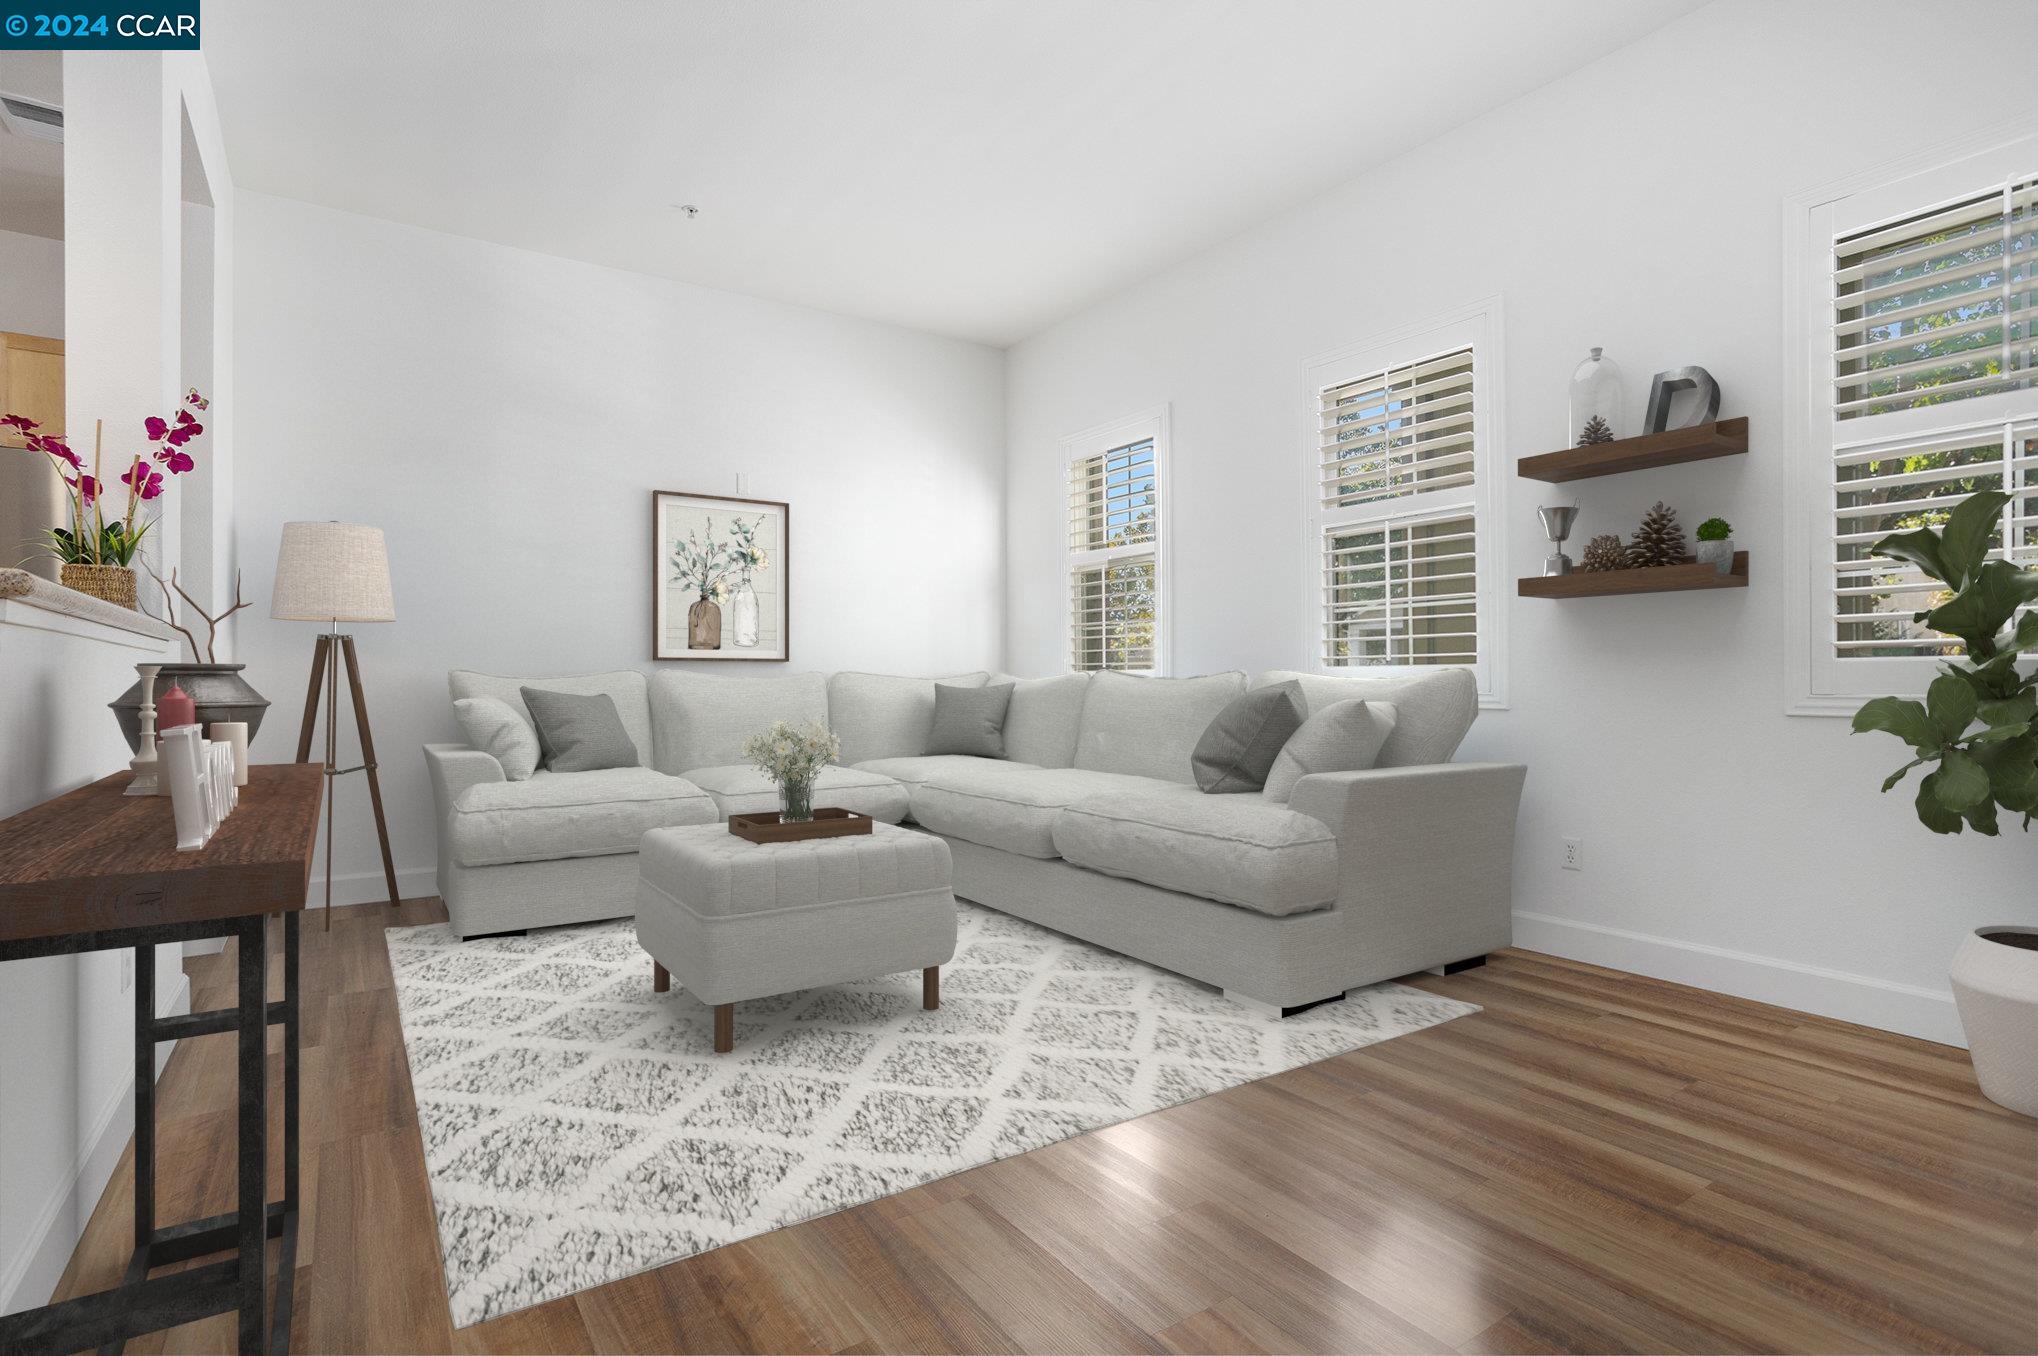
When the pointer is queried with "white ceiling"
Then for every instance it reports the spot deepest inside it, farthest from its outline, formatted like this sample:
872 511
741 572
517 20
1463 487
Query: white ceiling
32 170
978 168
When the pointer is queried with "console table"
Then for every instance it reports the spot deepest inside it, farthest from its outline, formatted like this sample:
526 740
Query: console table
96 870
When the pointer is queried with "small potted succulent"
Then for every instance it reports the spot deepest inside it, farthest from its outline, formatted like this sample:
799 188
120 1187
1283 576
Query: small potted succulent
792 758
1977 733
1716 544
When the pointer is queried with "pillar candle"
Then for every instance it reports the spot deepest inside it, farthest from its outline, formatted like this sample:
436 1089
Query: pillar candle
175 708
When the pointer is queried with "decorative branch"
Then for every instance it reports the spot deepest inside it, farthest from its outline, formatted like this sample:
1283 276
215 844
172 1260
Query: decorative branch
169 617
211 622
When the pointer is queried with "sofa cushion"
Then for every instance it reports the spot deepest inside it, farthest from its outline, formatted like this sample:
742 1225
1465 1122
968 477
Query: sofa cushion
1148 727
580 731
1343 737
699 721
882 715
1044 718
740 789
501 733
914 771
1238 749
1431 713
969 720
570 814
1239 850
1014 808
625 687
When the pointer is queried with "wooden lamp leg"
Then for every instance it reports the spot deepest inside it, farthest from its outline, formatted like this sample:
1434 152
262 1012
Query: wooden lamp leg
368 762
318 673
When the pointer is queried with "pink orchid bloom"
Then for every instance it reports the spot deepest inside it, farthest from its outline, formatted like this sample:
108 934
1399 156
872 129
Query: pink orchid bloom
18 421
58 448
176 461
142 481
156 427
86 487
197 400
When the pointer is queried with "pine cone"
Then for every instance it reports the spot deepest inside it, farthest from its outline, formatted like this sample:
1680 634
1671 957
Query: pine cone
1605 552
1596 430
1658 541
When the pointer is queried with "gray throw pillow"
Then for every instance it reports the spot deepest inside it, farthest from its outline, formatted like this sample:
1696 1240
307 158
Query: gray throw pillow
1238 748
579 732
969 720
497 730
1345 736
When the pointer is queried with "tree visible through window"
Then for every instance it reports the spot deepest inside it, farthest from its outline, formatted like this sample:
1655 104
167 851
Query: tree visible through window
1114 558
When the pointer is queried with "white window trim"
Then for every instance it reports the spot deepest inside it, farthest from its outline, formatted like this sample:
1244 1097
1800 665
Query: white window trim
1149 423
1480 325
1813 684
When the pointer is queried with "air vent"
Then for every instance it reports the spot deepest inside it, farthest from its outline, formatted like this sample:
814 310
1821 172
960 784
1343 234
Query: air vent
26 118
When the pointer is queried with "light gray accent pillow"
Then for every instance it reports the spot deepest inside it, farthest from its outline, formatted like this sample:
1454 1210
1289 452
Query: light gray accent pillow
1432 712
1239 747
625 687
1344 736
579 731
702 721
883 715
1148 727
969 719
500 732
1044 719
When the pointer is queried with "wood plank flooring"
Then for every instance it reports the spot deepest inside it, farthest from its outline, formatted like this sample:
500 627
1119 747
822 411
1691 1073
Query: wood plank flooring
1596 1162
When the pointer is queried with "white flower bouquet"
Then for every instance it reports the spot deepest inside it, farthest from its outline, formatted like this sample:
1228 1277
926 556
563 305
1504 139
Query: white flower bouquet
792 758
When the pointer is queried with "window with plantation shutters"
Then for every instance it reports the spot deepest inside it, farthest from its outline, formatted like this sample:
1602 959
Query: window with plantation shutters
1398 490
1114 546
1924 394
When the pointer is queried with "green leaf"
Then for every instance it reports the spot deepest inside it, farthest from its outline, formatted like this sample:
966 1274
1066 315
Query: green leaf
1889 782
2001 733
1980 609
1931 813
1962 783
1951 702
2017 710
1963 541
2013 773
1982 818
1920 547
2027 632
1903 718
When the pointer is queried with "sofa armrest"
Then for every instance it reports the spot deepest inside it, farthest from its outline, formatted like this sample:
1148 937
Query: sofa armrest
1425 856
454 768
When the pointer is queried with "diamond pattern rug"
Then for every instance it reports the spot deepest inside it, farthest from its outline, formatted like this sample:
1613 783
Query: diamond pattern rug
578 1128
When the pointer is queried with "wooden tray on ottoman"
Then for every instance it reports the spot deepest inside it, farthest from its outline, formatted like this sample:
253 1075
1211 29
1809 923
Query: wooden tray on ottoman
826 823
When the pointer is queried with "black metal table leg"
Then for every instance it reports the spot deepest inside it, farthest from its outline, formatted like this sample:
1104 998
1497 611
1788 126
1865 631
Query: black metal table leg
253 1032
286 1259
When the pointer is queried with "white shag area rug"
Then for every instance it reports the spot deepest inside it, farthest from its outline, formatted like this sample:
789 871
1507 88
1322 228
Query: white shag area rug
578 1128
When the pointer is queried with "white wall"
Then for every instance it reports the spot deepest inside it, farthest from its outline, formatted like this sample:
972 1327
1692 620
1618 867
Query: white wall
1635 205
504 416
31 285
66 1068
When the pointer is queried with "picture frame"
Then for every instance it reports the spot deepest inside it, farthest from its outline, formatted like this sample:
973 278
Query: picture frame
720 578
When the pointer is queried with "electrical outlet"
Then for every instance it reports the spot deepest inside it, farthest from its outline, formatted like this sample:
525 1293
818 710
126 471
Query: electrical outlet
126 971
1574 854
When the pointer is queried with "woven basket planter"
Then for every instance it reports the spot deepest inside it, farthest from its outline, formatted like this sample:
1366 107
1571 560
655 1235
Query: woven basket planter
110 583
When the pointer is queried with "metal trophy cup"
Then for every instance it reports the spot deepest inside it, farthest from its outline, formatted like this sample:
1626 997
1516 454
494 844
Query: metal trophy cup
1557 524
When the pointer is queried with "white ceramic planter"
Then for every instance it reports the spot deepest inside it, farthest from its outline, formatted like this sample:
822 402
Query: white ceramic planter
1996 987
1718 554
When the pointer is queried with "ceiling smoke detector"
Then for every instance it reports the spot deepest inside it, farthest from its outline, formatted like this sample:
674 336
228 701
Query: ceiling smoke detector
27 118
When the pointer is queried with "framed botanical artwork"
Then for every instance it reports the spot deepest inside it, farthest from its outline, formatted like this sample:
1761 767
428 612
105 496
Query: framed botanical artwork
719 578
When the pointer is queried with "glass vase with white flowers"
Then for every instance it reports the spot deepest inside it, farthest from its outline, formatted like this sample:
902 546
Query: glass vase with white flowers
793 757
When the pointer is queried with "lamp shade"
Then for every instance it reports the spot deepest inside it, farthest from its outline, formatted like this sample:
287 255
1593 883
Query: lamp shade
332 572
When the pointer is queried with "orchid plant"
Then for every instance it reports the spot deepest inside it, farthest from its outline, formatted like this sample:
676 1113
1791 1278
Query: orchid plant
88 538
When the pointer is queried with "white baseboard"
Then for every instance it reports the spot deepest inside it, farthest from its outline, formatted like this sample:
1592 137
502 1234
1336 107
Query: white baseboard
34 1276
369 887
1903 1008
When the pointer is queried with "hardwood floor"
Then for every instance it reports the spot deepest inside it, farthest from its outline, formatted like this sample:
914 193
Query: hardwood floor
1596 1162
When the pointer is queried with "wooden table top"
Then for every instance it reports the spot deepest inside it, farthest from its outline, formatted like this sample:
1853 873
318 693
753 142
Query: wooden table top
97 859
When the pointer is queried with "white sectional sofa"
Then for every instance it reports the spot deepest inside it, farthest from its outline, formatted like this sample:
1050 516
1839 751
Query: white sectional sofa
1091 825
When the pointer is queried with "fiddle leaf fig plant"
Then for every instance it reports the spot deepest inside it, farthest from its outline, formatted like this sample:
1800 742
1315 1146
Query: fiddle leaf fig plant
1978 726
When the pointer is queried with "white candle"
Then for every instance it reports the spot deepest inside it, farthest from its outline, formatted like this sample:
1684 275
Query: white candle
234 734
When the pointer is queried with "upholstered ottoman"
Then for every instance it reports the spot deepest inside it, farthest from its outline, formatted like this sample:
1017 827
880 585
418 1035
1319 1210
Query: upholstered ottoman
735 919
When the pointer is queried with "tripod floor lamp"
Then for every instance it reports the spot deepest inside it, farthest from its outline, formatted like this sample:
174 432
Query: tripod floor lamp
334 573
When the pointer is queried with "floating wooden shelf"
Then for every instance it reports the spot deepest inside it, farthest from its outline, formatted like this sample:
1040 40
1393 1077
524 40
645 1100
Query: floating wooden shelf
1727 438
1611 583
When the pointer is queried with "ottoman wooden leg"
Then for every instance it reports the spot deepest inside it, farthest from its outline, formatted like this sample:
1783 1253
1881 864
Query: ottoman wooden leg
725 1028
930 987
661 979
